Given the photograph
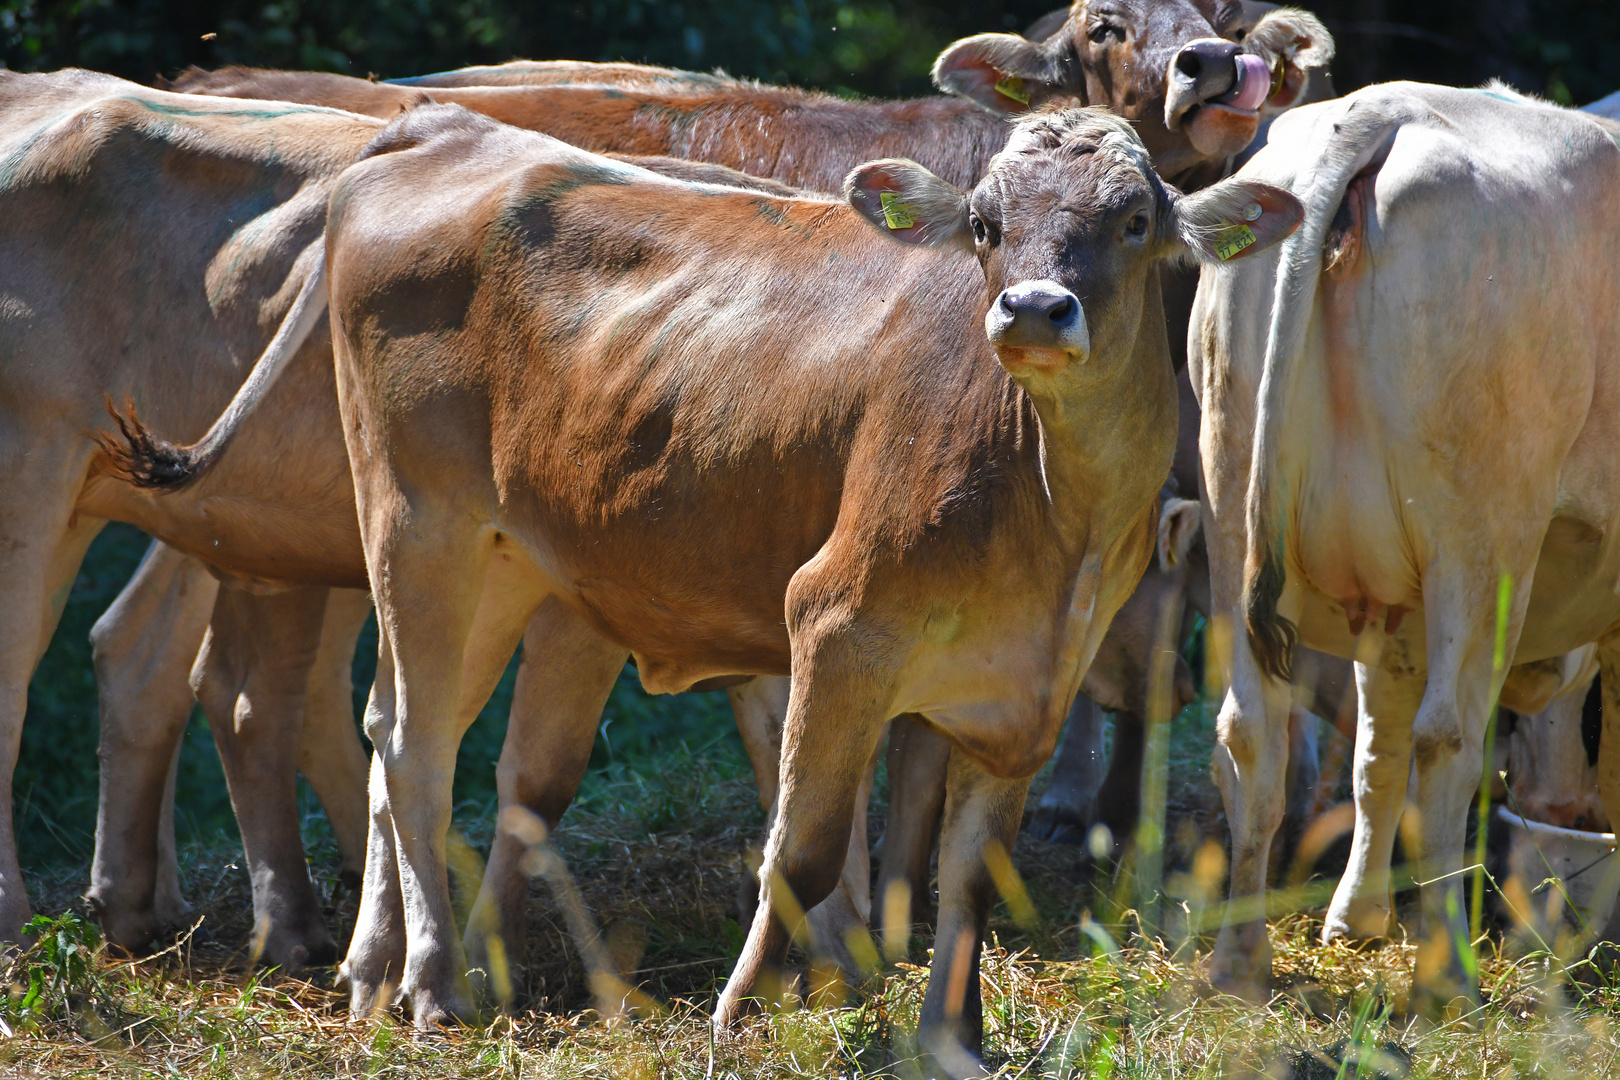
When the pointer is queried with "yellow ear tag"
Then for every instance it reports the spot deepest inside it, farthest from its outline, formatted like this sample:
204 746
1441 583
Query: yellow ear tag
1011 86
1278 73
1232 239
897 215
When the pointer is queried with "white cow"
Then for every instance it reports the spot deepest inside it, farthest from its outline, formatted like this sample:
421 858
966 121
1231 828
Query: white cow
1416 396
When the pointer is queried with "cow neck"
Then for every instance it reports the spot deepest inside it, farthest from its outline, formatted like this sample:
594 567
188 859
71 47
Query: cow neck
1108 433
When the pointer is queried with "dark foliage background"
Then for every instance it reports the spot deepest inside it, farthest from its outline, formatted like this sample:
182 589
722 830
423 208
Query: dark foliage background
1566 49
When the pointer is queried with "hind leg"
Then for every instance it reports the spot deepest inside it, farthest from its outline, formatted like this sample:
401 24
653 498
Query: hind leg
567 672
917 777
42 542
330 755
453 610
143 647
980 810
1448 735
1389 692
252 680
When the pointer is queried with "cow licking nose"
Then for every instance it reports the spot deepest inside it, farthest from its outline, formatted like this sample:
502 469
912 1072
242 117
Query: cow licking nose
1038 314
1214 93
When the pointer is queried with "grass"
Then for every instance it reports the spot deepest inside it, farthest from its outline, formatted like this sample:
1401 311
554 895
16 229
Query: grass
656 844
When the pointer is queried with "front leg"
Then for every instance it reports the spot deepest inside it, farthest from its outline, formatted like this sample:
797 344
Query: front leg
837 709
979 810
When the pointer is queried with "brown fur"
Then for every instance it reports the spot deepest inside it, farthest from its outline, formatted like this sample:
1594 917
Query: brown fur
568 373
801 138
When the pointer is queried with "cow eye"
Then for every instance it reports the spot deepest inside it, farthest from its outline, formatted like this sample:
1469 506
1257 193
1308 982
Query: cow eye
1137 226
979 231
1102 31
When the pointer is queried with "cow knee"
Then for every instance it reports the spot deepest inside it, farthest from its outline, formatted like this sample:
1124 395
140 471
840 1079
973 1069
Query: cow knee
1437 734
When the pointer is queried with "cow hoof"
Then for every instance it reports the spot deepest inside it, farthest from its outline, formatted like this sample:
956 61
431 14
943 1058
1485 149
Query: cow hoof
1239 975
431 1011
293 952
1058 824
1357 923
368 998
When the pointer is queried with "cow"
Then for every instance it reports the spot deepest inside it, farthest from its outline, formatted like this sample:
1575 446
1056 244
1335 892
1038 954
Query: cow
1551 774
176 221
1442 286
814 139
1196 98
146 240
948 531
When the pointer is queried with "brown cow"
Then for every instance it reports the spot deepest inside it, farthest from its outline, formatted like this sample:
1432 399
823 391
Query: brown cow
176 221
1134 58
815 138
949 530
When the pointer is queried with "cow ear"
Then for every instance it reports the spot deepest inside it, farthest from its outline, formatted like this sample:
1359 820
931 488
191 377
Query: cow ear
1234 219
1296 48
1002 72
910 203
1179 523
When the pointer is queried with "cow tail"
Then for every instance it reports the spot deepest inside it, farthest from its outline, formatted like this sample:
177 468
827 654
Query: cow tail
148 461
1337 154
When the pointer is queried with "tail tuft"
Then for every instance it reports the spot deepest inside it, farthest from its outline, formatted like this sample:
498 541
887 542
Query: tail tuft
1272 638
143 459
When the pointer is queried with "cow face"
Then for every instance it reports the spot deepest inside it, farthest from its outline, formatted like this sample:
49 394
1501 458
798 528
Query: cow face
1169 66
1069 225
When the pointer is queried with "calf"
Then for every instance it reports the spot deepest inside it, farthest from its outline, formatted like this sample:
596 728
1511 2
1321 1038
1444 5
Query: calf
1353 500
948 530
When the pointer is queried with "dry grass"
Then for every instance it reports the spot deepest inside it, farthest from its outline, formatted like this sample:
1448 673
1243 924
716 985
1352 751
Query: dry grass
658 850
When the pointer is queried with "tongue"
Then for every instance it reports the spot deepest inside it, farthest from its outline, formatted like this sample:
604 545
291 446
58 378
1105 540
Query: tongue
1253 83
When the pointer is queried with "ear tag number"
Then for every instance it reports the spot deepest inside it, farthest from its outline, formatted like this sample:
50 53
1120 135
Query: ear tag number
1011 86
1232 239
897 215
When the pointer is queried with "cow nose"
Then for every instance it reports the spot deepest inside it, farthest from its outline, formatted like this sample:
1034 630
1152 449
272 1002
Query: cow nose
1207 67
1039 314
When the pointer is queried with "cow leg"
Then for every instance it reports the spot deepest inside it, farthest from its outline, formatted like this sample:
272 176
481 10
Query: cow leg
563 682
1250 762
375 964
835 715
143 647
847 910
1389 694
1068 808
979 809
917 760
252 680
1608 763
1119 801
330 755
453 610
42 543
760 708
1448 736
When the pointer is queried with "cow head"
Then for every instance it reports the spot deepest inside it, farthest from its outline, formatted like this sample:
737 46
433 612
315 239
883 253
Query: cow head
1194 94
1069 225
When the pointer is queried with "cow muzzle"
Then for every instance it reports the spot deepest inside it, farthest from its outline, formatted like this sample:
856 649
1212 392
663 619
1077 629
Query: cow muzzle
1214 93
1039 314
